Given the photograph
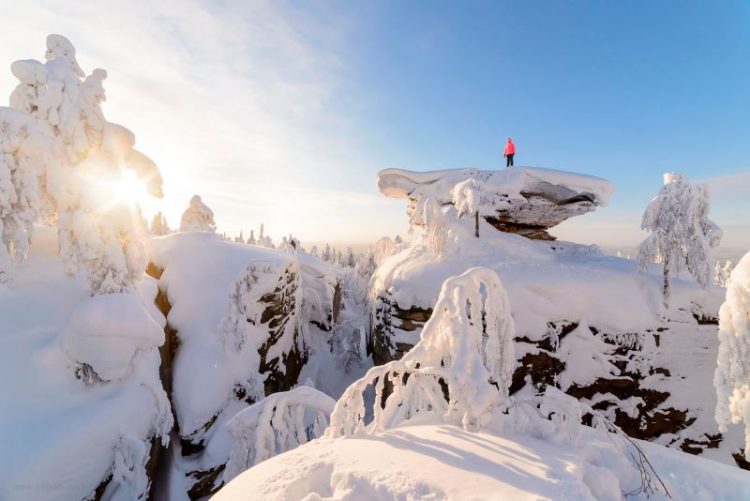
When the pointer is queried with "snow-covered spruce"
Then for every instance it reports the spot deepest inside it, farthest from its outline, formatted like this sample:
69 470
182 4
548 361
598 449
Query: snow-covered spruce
197 217
681 233
732 378
278 423
77 188
24 153
459 371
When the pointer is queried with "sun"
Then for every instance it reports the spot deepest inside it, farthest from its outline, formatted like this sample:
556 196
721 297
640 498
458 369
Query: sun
129 189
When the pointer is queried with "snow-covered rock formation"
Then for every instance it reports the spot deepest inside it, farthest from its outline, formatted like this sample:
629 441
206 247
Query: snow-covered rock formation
242 323
523 200
441 425
586 323
83 408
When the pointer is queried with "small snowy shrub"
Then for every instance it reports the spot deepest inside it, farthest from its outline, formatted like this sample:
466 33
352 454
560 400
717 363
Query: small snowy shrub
197 217
276 424
129 478
732 377
681 233
467 197
459 371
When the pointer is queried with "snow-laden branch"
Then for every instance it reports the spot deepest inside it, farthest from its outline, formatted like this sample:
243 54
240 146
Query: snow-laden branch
278 423
458 372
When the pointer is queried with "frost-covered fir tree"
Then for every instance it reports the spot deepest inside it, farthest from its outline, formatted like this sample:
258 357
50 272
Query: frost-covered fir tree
159 226
24 143
732 376
239 238
681 233
722 272
251 238
350 260
263 240
467 197
327 255
78 189
197 217
384 248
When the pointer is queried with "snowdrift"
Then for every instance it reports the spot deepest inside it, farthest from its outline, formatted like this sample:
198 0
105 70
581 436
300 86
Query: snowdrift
445 462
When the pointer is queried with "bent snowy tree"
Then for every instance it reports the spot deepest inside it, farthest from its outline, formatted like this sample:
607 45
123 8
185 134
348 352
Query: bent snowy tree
278 423
681 233
459 371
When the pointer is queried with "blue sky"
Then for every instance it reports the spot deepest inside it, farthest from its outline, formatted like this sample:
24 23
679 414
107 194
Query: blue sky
283 112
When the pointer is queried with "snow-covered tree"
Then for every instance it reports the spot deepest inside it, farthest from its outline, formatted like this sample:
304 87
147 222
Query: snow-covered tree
278 423
89 157
722 272
327 255
197 217
263 240
732 377
239 238
434 233
314 251
681 233
159 226
467 197
24 151
350 260
251 239
459 372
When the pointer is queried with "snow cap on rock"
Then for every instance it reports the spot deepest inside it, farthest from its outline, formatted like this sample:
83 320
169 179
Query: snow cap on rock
106 331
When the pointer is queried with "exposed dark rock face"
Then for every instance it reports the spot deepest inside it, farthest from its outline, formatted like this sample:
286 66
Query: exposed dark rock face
541 211
280 310
388 318
541 364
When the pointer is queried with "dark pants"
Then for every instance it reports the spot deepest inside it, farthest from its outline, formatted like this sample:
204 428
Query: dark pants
509 160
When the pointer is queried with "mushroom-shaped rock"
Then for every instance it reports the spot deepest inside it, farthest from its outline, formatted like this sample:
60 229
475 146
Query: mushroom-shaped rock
523 200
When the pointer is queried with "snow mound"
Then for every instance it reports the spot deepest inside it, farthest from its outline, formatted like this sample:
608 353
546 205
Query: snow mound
446 462
106 331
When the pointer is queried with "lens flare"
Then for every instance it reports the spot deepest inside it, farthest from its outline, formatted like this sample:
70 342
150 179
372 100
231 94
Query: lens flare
130 189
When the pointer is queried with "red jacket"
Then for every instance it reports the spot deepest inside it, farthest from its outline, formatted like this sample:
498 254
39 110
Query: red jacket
510 149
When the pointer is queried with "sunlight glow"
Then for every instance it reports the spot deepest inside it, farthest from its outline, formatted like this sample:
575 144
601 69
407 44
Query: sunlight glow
130 189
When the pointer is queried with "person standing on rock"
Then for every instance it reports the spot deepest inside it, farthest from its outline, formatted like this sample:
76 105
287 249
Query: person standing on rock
510 152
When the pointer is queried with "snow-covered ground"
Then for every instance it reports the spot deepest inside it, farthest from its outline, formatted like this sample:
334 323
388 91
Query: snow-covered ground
59 433
446 462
